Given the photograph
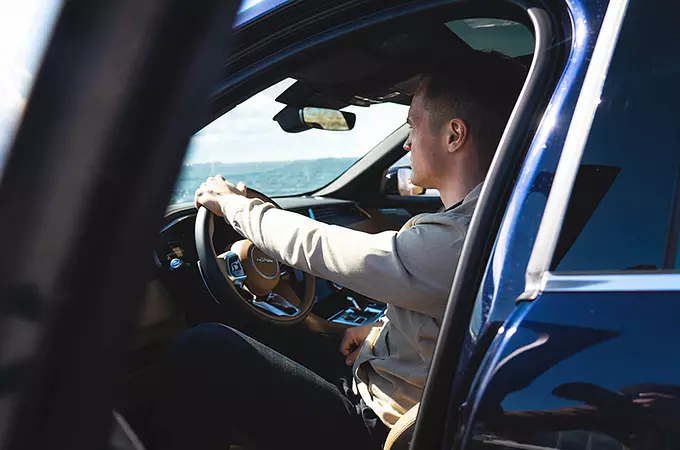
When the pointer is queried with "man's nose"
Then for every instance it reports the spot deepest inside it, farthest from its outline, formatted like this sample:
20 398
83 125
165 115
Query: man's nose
407 145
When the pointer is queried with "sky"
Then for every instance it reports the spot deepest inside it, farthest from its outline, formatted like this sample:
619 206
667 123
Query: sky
245 134
248 133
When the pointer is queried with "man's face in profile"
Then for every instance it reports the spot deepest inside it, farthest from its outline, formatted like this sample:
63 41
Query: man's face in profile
425 145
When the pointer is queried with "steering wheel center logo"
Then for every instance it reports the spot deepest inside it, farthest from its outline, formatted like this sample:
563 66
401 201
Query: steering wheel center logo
265 266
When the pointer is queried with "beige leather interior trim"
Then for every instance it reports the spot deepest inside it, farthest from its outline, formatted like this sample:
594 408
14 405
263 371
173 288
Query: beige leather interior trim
407 421
262 271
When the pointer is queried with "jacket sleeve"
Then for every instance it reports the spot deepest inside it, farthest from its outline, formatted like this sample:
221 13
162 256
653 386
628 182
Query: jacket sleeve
412 268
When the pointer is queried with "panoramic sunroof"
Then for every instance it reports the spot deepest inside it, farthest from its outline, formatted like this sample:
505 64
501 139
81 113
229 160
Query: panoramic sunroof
510 38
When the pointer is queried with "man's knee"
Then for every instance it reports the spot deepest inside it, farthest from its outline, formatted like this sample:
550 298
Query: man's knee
204 345
204 334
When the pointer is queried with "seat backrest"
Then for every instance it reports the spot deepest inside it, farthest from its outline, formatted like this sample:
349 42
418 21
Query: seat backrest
401 433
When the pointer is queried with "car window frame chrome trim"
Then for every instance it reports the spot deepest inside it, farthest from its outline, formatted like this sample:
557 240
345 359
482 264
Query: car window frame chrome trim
572 151
610 282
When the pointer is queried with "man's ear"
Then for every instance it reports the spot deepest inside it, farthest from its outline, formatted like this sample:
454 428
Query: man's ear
458 134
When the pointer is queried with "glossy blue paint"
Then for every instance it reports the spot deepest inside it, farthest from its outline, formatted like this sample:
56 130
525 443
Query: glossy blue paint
594 367
505 275
602 369
493 355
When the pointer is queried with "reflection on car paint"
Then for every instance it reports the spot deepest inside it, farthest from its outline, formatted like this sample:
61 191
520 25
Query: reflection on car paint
600 374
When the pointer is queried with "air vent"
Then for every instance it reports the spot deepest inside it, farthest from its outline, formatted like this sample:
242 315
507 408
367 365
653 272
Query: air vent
325 213
340 214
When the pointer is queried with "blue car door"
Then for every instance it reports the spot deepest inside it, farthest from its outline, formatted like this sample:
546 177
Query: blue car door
587 358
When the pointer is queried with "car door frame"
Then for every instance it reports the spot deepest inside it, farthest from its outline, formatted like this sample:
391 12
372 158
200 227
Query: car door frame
448 377
536 278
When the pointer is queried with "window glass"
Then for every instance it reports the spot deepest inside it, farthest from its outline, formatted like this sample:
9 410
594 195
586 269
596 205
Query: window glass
505 36
404 161
620 210
246 144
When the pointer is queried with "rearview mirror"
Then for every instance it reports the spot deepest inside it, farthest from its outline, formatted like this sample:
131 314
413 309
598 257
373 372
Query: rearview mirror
397 181
294 120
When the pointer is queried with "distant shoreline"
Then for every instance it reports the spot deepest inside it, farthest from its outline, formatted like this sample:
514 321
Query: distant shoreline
274 178
281 161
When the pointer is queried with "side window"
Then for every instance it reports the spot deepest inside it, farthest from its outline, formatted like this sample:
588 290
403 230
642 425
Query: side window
621 209
404 161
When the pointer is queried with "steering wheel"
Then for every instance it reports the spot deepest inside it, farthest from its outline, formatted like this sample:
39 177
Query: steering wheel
248 278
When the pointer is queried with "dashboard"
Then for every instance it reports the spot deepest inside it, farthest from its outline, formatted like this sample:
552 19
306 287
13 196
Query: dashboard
175 257
176 237
176 296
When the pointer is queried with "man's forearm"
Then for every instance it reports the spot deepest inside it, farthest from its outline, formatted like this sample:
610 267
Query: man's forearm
327 251
366 263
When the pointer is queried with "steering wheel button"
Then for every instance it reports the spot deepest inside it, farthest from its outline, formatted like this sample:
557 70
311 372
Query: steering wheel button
176 264
236 267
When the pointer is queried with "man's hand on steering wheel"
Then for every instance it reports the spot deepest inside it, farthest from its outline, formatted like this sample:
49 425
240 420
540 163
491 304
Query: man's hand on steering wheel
242 274
216 189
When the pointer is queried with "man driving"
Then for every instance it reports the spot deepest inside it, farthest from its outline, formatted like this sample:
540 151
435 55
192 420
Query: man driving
226 383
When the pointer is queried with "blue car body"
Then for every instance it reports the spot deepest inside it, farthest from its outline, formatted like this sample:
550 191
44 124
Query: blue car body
581 354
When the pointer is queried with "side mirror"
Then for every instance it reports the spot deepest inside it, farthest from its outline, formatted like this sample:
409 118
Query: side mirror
397 181
295 120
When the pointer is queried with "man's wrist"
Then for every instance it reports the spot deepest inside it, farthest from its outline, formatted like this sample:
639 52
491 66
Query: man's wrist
223 207
232 204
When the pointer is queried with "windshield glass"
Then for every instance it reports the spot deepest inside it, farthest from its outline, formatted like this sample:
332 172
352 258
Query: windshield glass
247 145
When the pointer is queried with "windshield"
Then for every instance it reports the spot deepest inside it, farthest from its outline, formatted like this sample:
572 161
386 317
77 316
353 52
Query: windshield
247 145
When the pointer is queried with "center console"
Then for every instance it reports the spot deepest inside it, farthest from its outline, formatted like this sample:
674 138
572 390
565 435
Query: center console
340 305
355 315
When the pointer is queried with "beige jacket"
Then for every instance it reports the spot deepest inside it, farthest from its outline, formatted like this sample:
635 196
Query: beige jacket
410 270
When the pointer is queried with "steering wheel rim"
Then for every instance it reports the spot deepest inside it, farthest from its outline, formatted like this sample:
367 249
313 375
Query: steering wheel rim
280 306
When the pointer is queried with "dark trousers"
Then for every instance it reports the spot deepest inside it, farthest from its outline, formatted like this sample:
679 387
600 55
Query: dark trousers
223 386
